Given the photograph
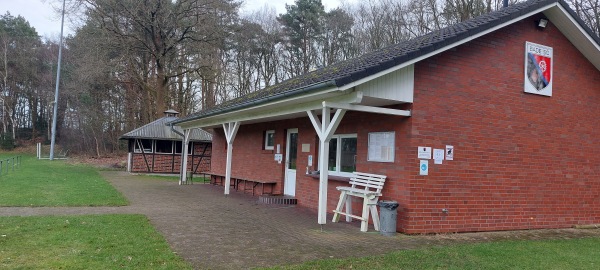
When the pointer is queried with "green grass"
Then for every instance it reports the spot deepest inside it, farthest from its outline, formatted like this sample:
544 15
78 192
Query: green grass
547 254
84 242
55 183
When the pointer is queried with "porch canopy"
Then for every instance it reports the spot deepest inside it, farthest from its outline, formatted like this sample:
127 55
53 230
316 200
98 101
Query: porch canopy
324 103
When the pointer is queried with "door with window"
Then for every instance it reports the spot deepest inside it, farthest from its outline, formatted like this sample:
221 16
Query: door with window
291 157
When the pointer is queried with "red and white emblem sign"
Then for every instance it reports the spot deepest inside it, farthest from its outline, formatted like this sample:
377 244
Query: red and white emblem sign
538 69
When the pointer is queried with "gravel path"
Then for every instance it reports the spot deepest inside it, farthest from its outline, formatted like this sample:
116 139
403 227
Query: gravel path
213 231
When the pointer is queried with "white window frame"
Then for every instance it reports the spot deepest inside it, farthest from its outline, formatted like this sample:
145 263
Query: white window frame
338 151
136 148
267 146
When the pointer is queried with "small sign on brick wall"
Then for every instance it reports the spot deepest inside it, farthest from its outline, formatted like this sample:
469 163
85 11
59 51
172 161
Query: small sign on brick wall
424 152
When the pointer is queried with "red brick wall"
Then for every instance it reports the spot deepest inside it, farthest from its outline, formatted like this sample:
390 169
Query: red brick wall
521 160
169 163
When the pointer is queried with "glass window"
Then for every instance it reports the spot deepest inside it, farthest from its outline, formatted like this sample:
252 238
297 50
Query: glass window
164 147
140 144
178 147
269 139
342 154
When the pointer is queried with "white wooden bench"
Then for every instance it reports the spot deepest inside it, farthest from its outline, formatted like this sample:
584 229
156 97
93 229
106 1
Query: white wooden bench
366 186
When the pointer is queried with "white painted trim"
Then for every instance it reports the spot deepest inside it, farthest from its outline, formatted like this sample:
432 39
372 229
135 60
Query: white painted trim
370 109
267 132
184 155
314 119
230 129
445 48
291 105
333 125
287 163
568 15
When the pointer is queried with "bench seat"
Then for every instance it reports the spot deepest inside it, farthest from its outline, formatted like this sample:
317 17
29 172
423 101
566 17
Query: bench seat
248 184
366 186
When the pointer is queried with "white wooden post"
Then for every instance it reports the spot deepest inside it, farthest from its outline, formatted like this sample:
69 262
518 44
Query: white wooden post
325 129
230 129
129 161
184 155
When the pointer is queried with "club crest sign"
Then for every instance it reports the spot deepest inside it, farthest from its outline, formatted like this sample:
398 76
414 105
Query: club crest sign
538 69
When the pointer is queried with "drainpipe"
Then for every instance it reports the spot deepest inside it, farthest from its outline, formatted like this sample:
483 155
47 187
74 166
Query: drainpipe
505 3
174 130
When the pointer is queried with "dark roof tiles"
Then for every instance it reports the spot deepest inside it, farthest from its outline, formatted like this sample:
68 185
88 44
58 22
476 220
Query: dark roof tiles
351 70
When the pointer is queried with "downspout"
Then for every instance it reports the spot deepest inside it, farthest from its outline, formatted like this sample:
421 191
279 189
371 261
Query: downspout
505 3
183 167
174 130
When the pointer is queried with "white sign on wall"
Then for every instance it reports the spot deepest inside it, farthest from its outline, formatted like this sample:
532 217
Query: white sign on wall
438 156
449 152
538 69
381 146
424 152
424 167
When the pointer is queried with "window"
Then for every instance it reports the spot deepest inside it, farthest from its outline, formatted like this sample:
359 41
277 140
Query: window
178 147
164 147
342 154
269 139
140 144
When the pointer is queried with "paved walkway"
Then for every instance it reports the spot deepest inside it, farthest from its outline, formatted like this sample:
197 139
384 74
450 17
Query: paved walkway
212 231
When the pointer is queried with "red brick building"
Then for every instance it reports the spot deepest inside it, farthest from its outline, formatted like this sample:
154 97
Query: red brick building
157 148
517 104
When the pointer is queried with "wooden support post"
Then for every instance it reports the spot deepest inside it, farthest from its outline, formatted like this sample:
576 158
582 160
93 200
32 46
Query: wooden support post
231 130
184 155
325 129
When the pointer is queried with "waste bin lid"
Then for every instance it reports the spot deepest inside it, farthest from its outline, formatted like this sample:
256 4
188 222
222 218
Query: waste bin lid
391 205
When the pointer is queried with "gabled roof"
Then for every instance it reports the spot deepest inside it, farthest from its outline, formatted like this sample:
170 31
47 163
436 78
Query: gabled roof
160 130
354 70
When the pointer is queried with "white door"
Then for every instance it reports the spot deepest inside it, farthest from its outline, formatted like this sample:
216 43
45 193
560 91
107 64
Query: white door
291 154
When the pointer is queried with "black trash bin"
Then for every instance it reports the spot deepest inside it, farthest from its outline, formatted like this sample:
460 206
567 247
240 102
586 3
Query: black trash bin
388 215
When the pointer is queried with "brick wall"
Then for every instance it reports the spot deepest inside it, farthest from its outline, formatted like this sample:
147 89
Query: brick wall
521 161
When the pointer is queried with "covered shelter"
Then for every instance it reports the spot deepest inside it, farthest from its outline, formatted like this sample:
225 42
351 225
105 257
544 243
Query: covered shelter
472 125
157 148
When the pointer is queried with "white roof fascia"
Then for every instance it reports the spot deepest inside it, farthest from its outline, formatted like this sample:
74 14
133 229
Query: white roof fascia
287 106
362 108
590 49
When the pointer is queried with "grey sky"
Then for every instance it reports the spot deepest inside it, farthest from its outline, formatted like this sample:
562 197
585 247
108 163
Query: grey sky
42 16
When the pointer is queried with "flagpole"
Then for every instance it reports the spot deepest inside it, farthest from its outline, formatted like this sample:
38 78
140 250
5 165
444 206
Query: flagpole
53 140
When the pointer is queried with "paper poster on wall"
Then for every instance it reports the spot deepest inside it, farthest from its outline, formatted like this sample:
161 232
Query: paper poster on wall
449 152
438 156
538 69
424 152
381 146
424 167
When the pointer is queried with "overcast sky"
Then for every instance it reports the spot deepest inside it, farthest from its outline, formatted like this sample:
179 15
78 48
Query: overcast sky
46 21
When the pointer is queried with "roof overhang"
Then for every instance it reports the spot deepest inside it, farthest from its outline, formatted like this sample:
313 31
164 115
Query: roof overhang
575 33
286 108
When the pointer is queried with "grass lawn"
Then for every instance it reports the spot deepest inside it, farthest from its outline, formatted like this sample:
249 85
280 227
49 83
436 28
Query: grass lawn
55 183
84 242
547 254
